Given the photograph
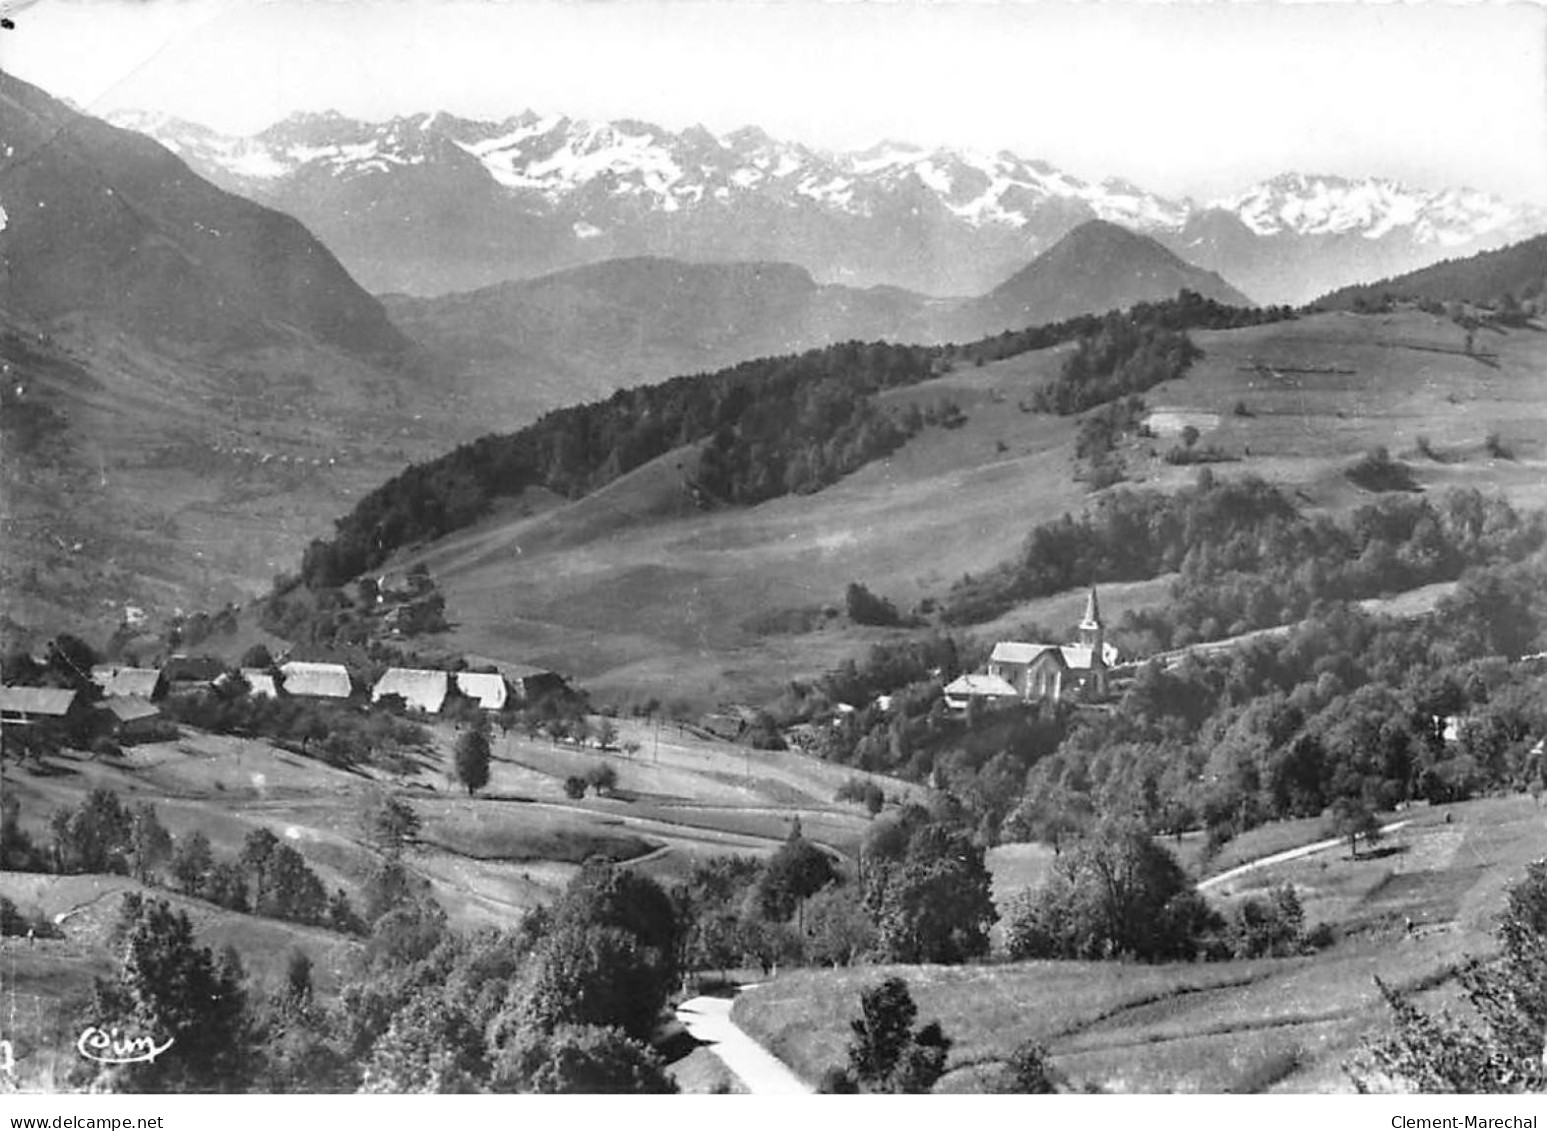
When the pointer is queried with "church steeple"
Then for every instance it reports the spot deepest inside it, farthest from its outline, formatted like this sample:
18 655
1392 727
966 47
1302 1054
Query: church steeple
1092 611
1092 634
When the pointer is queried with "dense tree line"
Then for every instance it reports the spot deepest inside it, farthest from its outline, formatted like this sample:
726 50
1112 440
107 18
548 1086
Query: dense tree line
1118 893
921 894
336 733
103 835
1126 357
766 428
1247 556
1505 279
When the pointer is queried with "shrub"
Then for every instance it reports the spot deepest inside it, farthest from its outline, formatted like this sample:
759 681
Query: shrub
1267 927
1494 445
864 607
574 787
1377 471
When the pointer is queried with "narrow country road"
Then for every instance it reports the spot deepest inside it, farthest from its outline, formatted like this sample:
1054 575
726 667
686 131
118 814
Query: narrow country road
708 1019
1291 854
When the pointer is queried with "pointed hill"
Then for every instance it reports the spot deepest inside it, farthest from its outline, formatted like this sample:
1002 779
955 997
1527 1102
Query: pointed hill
1098 266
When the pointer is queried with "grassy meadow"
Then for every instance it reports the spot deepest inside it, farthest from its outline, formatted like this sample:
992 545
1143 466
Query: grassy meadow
1266 1024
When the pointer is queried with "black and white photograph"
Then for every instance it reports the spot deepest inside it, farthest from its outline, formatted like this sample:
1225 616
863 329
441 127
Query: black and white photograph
772 547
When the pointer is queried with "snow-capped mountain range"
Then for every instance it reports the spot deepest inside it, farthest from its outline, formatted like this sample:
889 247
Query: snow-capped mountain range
433 202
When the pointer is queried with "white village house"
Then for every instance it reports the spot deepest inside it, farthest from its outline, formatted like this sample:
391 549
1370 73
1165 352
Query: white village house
989 690
138 683
420 688
260 683
487 689
316 681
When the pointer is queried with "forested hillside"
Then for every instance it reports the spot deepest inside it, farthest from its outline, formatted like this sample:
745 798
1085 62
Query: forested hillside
775 426
1512 278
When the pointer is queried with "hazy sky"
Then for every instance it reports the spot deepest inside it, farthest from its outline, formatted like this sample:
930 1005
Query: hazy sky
1181 98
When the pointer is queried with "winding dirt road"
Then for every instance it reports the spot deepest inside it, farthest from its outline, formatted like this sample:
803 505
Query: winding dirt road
1290 854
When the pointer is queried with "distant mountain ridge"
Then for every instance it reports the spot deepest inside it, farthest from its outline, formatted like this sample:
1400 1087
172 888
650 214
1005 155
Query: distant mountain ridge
588 330
432 203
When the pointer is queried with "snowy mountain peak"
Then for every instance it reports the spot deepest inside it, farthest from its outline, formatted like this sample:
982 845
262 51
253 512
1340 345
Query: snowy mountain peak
608 187
1371 207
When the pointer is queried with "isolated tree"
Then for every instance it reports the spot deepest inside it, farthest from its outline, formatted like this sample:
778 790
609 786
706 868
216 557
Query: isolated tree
96 836
290 890
587 974
1353 819
886 1054
386 889
472 760
257 848
837 932
936 904
792 875
392 825
150 843
574 787
606 734
298 976
1117 892
602 778
609 956
257 656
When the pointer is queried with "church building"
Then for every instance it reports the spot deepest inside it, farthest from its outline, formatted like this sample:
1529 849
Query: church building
1051 672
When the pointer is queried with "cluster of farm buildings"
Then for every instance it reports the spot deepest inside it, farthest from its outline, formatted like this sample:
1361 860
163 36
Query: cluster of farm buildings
129 694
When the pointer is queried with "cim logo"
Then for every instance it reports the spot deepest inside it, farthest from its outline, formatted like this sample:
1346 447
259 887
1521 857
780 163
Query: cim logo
109 1046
